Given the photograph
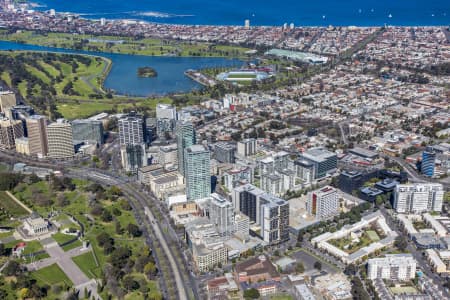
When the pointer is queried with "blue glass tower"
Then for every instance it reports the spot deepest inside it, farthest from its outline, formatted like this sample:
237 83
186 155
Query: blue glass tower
428 161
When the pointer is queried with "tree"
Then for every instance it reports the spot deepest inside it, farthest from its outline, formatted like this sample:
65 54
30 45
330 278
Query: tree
12 269
251 294
62 200
97 210
141 262
106 216
119 257
300 268
134 230
103 238
350 269
9 181
318 265
115 191
118 228
125 205
129 283
401 243
379 200
150 269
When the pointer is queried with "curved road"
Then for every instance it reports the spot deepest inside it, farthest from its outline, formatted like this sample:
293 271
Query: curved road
109 180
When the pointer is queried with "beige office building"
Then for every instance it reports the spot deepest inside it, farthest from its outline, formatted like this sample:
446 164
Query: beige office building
23 146
9 131
37 135
60 140
7 100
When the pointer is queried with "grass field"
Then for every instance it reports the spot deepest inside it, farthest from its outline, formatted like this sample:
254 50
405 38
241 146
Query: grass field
86 263
56 71
124 45
9 207
51 275
82 109
73 245
237 76
403 290
6 234
373 235
32 247
351 246
62 238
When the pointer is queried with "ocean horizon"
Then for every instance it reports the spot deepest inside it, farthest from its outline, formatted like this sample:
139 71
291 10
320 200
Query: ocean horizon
262 13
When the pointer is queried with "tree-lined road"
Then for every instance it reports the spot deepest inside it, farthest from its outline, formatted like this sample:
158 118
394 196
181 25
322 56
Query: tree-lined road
140 205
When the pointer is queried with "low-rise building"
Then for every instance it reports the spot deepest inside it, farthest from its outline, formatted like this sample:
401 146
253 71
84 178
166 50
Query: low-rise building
255 270
373 219
435 261
219 287
35 225
208 249
302 292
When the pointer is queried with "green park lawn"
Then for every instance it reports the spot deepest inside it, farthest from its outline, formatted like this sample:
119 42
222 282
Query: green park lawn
403 290
32 247
93 224
232 76
51 275
87 264
62 238
6 234
346 244
83 109
11 207
372 234
73 245
127 45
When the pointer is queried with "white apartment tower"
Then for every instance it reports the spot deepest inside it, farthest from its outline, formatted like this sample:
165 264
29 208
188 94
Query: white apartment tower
221 213
60 140
396 267
323 203
131 130
418 198
246 147
166 111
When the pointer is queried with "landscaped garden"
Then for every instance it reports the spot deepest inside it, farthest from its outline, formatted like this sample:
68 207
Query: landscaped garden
110 228
356 241
9 208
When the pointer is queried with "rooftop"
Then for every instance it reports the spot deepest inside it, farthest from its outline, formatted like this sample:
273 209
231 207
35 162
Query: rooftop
318 154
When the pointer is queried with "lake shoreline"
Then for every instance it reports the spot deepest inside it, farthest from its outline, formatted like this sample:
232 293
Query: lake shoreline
170 80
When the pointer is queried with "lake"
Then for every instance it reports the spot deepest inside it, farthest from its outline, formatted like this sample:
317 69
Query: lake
123 75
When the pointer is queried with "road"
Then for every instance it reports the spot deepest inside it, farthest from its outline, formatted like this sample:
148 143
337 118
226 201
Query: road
341 128
417 254
144 213
184 288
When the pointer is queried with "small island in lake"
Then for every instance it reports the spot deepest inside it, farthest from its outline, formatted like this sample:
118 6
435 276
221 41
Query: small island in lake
147 72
